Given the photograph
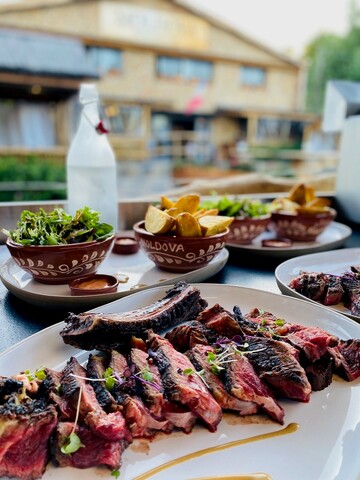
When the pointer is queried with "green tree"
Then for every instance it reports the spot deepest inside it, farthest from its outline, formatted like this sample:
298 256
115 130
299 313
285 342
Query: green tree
331 57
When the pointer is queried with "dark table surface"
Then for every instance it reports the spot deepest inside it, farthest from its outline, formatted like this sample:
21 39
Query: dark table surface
19 320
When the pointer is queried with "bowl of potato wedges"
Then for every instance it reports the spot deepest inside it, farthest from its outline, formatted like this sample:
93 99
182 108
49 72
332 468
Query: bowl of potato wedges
179 236
301 215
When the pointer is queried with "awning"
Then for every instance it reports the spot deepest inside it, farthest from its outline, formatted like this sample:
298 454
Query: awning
31 53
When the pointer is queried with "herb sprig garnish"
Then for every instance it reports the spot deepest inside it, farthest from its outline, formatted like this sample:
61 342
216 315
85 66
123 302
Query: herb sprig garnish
217 359
112 378
73 443
39 374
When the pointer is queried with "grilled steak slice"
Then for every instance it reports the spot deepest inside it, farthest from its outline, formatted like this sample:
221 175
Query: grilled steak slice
152 390
180 416
95 369
312 342
276 364
347 359
138 417
242 381
9 386
187 336
198 356
320 372
106 331
334 291
185 388
140 421
95 452
220 320
109 426
50 389
24 439
310 284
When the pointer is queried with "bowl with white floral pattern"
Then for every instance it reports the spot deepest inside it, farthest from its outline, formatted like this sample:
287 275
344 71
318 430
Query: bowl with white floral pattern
173 253
60 264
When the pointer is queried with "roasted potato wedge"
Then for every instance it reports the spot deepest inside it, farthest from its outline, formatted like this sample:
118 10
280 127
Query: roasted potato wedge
158 221
188 203
203 212
173 212
319 202
212 225
298 194
166 203
187 225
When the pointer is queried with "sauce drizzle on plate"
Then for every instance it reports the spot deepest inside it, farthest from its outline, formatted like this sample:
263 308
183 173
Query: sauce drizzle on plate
291 428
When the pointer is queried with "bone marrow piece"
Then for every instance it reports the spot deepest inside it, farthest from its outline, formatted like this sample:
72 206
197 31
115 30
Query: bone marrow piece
106 331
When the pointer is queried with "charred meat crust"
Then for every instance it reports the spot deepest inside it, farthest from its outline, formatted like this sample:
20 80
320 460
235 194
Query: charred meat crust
106 331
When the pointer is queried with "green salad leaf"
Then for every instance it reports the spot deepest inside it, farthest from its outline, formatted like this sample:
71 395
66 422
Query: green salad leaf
237 207
58 227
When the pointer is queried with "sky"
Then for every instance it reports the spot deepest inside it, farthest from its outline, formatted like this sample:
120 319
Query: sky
285 25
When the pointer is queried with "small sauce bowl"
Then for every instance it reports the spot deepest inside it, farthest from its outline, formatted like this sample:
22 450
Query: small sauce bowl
94 284
125 245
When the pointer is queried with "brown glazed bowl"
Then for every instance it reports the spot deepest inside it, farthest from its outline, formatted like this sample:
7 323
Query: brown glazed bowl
179 254
301 227
58 264
243 230
95 284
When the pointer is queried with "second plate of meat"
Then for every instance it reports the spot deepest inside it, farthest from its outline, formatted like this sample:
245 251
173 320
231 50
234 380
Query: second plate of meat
328 278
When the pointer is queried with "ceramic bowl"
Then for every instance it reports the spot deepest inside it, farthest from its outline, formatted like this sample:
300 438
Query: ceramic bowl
301 227
179 254
125 245
95 284
58 264
243 230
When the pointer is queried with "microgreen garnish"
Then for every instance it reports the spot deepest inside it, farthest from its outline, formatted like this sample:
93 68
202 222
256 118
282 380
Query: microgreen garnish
189 371
115 473
280 322
109 378
39 374
72 442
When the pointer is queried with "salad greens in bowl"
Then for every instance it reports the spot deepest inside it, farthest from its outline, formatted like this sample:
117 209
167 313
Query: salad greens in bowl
59 228
56 248
251 217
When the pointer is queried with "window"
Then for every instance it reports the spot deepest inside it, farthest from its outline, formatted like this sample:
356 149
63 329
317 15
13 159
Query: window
105 59
185 68
252 76
124 119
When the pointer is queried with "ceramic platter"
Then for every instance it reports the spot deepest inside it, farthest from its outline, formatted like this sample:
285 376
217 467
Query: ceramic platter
335 262
135 272
333 236
319 440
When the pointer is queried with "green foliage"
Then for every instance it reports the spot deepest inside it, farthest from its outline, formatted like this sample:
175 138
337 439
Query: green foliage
332 57
31 169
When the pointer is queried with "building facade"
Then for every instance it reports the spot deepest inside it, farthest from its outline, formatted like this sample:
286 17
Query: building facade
168 75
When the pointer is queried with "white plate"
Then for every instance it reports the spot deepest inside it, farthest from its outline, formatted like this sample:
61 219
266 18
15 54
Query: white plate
139 272
334 262
325 447
332 237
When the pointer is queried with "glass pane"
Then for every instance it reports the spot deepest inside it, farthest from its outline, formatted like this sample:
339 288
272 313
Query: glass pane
105 59
254 76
